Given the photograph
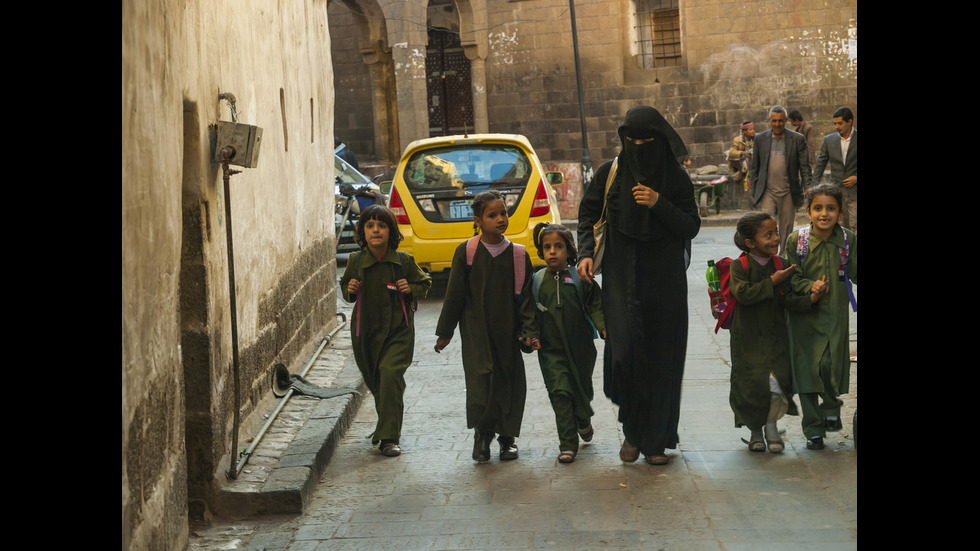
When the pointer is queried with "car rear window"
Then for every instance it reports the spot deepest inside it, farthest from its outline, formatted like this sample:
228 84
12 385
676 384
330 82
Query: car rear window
459 167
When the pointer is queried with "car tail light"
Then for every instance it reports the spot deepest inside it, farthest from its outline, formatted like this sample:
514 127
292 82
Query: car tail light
397 208
541 203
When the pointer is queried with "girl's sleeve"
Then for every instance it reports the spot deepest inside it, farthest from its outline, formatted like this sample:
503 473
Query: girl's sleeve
790 299
527 312
418 281
746 292
798 283
348 275
452 305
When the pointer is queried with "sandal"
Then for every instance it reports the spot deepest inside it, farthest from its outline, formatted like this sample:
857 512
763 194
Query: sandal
390 449
566 456
587 434
755 445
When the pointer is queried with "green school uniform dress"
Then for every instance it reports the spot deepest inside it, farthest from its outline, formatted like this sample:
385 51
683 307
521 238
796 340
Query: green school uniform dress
819 343
383 332
760 340
567 355
481 301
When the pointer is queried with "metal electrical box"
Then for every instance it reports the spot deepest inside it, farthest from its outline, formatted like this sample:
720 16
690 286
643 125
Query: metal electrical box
242 139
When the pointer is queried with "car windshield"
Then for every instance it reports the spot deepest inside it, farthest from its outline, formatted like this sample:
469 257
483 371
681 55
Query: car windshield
458 167
347 174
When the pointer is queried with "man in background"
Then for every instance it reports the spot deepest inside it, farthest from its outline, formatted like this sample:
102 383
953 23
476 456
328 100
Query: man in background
839 151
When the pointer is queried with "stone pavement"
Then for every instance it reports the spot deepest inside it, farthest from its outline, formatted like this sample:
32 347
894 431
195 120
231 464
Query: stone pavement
714 494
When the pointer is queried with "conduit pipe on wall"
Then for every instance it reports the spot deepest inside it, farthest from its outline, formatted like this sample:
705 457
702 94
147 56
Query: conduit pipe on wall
227 172
282 403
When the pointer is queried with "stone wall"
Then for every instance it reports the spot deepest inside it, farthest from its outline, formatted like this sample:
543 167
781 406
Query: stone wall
178 395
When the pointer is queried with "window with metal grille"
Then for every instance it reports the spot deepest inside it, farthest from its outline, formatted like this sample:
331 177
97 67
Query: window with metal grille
658 33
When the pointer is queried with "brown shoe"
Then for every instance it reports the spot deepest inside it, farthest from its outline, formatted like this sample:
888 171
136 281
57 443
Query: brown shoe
629 453
390 449
660 459
587 434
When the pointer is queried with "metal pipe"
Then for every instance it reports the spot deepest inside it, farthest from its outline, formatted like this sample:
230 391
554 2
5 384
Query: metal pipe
586 157
286 397
225 157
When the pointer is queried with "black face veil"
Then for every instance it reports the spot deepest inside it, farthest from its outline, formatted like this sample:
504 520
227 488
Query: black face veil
645 160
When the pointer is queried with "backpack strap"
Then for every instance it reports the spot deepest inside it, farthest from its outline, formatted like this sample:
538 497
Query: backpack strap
519 268
536 280
803 243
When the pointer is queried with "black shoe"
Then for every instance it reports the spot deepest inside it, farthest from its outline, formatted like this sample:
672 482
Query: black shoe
814 443
508 449
834 424
481 446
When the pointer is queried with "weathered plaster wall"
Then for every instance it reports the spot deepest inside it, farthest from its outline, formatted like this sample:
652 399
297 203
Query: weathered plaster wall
177 56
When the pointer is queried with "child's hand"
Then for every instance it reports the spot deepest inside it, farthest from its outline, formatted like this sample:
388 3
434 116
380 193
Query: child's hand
535 344
353 286
440 344
780 276
403 287
820 288
603 334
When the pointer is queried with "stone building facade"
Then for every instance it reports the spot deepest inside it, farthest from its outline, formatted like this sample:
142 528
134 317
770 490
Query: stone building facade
186 66
707 65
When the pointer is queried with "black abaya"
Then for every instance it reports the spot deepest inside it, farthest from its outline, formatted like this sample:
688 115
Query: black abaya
644 289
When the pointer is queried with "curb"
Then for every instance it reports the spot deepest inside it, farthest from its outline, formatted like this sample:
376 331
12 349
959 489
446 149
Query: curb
290 486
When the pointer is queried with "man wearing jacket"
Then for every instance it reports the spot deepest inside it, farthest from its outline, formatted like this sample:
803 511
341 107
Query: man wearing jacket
839 150
779 172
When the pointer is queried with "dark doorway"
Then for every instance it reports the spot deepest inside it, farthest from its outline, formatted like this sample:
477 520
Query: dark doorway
447 74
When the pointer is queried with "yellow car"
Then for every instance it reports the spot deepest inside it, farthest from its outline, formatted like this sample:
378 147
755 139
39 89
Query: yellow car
437 179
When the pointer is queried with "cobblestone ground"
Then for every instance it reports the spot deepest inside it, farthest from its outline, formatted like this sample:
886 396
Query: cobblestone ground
713 494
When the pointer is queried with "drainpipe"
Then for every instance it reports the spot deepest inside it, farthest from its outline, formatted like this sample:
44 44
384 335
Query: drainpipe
586 157
227 172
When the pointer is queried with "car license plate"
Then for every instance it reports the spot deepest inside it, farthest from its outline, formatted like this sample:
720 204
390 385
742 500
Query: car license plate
460 209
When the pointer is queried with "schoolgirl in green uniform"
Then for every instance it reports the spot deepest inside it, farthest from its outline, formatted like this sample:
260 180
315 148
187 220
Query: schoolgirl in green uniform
385 283
819 342
566 351
489 297
761 379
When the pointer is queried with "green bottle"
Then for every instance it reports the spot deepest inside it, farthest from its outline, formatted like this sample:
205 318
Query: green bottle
714 282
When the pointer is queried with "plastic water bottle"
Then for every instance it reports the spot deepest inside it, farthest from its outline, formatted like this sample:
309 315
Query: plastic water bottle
714 282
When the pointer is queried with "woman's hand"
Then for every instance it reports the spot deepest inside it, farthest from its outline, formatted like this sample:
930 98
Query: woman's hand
440 344
402 285
585 269
353 286
644 195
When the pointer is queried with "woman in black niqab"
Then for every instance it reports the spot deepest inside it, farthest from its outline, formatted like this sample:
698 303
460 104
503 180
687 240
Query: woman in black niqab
652 217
